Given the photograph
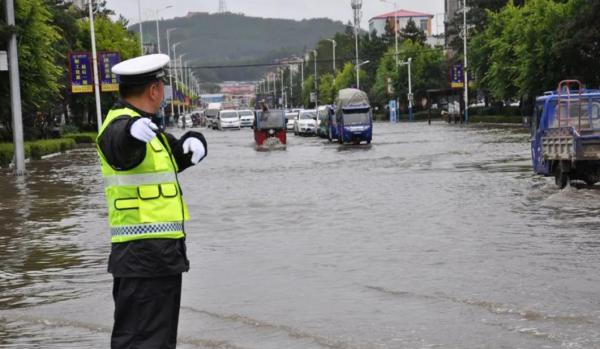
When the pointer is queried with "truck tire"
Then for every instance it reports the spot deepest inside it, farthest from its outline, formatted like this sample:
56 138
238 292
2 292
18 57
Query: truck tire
561 179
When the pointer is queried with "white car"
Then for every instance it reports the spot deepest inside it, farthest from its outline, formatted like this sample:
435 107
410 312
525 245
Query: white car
228 119
188 121
246 118
306 123
291 119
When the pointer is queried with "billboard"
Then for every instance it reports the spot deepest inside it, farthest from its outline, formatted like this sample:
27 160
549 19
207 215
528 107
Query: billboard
457 79
80 71
109 82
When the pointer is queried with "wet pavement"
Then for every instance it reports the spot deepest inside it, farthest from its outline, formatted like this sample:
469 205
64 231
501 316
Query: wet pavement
432 237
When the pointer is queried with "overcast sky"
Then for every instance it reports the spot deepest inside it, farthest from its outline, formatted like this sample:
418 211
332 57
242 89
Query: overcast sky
294 9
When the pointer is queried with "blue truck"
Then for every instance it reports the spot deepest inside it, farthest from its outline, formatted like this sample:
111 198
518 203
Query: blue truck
565 134
353 117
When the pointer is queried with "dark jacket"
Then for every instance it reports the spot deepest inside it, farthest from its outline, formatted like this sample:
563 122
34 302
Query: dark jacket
152 257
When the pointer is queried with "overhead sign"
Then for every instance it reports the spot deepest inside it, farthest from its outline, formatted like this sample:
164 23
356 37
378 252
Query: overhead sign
109 82
80 69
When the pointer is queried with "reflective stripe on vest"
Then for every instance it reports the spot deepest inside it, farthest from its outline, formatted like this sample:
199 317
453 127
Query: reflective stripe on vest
146 229
144 202
140 179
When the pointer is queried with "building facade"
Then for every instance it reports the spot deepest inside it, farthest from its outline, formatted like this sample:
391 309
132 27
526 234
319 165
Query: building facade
422 20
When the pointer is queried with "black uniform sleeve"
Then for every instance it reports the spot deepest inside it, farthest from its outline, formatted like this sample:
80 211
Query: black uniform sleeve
121 150
184 160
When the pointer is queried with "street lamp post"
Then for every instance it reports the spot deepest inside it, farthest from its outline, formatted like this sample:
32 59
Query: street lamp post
316 83
158 28
175 45
15 93
334 44
183 74
141 29
410 95
95 67
466 74
291 99
171 71
358 73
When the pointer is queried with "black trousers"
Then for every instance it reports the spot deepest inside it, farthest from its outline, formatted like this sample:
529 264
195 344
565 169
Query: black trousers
146 312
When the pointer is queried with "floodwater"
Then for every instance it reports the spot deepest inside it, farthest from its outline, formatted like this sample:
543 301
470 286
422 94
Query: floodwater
432 237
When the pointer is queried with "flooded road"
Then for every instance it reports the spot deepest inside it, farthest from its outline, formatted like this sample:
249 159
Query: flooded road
432 237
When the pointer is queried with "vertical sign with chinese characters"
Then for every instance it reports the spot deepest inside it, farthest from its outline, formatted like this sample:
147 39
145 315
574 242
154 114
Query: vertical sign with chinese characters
456 76
80 66
109 82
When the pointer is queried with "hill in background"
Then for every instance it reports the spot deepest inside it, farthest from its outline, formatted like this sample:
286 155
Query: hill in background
227 39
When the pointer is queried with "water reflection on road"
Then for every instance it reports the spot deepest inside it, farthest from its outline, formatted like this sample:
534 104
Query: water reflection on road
433 236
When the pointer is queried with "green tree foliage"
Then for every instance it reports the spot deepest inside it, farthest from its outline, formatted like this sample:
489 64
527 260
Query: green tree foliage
347 78
326 89
39 74
428 71
577 44
513 56
309 86
413 33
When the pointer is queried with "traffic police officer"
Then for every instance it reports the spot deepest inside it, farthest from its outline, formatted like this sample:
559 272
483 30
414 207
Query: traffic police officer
146 210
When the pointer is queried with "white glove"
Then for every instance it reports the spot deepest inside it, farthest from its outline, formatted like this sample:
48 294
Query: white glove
144 130
193 144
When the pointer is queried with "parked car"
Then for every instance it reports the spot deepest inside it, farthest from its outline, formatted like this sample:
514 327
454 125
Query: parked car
185 119
291 118
228 119
246 118
306 123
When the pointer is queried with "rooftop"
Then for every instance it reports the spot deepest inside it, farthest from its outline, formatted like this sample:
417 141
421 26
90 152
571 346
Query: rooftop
402 14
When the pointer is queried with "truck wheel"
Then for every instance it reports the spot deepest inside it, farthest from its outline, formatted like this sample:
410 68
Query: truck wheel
561 179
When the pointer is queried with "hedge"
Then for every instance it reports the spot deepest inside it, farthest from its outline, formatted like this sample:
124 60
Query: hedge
82 138
35 150
496 119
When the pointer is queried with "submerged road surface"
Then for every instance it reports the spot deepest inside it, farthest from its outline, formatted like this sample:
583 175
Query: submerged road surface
432 237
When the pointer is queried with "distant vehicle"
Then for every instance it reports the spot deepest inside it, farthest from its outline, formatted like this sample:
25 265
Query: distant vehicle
306 124
246 118
228 119
291 117
354 117
211 114
565 134
185 119
270 132
323 120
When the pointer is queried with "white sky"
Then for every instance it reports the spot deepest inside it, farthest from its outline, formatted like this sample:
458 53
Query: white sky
293 9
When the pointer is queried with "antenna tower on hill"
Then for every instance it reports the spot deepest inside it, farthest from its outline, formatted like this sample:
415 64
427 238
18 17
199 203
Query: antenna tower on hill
222 6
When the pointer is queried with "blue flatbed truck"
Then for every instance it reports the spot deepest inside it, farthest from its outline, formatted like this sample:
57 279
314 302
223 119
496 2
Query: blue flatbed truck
565 134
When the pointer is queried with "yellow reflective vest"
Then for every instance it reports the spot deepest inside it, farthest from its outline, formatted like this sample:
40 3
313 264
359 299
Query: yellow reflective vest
144 202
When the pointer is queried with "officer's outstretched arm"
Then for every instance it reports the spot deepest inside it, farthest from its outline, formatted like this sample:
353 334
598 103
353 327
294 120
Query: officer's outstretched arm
188 150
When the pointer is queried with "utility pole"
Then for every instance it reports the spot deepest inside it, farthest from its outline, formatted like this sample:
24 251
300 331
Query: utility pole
95 67
15 93
410 95
466 74
334 44
356 7
176 78
316 83
291 87
283 101
141 32
171 72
